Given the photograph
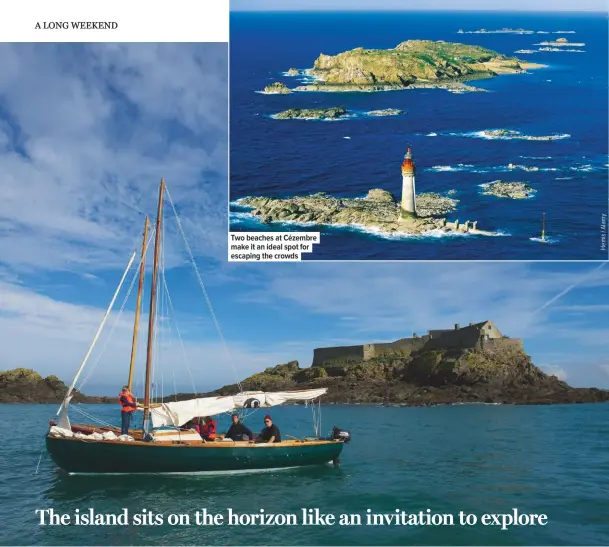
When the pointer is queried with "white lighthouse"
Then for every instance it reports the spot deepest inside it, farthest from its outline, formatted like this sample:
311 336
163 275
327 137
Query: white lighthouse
409 198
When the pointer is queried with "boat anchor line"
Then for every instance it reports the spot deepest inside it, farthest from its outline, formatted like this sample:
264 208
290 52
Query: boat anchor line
90 449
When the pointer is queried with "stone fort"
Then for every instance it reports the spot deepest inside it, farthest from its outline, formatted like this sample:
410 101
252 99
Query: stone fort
483 335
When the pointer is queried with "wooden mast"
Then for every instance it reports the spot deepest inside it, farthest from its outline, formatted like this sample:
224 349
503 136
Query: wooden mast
155 273
139 305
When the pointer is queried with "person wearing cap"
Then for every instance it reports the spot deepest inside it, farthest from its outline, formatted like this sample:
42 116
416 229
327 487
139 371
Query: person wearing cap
238 431
270 433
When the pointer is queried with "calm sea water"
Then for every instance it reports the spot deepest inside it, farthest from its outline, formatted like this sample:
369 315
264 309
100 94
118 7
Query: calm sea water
347 158
479 459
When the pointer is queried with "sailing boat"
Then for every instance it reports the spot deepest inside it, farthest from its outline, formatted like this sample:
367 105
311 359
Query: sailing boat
162 446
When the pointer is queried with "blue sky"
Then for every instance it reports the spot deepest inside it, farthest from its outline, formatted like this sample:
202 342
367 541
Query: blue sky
86 132
428 5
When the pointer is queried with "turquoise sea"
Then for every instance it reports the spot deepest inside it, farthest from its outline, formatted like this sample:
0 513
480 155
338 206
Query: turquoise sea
473 458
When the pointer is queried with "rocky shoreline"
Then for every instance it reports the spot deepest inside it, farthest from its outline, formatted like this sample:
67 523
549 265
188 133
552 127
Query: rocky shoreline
425 378
378 210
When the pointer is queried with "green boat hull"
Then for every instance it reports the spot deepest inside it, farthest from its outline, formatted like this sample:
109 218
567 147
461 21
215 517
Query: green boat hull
76 456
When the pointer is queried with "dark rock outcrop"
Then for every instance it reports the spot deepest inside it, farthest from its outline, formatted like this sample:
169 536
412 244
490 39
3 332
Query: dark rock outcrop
446 376
22 385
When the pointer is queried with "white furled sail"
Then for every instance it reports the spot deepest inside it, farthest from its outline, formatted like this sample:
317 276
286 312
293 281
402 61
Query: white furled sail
181 412
260 399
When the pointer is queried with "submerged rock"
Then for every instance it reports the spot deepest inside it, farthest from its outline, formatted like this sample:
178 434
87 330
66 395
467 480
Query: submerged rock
514 190
277 88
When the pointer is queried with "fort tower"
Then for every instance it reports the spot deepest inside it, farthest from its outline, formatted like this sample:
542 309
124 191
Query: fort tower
409 199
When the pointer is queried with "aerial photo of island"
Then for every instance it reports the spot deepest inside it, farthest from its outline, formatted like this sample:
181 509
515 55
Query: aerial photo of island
412 135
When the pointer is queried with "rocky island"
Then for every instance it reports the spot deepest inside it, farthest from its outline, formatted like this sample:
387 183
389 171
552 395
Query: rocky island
333 113
328 114
22 385
510 134
514 190
385 112
378 209
276 88
471 364
415 214
411 64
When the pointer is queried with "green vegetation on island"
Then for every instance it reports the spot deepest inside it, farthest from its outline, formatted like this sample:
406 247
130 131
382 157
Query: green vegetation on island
414 63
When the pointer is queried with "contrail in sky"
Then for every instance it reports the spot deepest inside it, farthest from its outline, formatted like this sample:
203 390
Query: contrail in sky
567 290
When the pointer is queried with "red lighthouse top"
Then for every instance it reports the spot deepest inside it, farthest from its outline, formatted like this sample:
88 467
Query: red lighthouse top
408 164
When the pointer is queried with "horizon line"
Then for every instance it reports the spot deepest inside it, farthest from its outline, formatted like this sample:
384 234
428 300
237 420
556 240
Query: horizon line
375 10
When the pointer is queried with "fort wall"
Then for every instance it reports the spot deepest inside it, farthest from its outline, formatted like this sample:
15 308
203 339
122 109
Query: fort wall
322 355
486 337
500 345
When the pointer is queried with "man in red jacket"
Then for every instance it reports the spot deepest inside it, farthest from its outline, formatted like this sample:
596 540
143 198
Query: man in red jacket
128 407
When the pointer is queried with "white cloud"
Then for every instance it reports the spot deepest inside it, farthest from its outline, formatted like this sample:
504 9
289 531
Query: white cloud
52 337
555 370
90 130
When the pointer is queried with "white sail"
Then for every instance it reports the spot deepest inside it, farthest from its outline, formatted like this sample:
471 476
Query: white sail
181 412
256 399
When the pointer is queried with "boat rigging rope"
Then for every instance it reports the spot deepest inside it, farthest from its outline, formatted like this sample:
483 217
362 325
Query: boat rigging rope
169 301
131 285
211 309
91 417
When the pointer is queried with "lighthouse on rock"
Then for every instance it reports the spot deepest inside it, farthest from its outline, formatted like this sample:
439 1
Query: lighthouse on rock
409 199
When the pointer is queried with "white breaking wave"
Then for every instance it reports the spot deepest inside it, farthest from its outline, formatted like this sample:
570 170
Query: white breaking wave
436 233
549 240
458 167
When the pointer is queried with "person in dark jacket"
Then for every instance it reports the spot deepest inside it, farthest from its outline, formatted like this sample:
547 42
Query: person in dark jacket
238 431
270 433
128 407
